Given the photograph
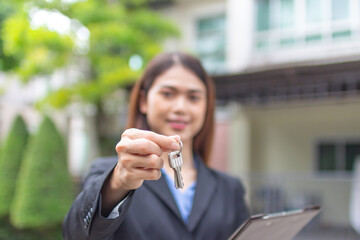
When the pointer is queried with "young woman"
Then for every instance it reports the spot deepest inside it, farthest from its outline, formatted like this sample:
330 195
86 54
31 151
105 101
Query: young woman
133 196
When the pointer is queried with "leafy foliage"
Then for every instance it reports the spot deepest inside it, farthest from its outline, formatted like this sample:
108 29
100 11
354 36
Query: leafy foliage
37 51
44 189
10 160
7 8
104 33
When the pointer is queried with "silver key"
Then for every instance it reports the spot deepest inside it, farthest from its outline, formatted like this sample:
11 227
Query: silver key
175 162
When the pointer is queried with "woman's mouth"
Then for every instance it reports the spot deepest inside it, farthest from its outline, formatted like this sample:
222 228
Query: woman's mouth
177 125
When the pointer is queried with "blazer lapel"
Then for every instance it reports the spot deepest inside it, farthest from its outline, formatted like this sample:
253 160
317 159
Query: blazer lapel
205 188
161 189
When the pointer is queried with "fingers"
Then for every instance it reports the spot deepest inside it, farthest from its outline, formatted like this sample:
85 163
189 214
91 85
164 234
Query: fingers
133 178
139 153
151 161
147 174
133 169
140 146
166 143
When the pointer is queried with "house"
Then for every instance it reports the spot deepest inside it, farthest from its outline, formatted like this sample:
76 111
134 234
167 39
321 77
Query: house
287 75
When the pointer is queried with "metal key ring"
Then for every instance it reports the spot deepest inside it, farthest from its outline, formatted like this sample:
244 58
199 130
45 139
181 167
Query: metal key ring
181 147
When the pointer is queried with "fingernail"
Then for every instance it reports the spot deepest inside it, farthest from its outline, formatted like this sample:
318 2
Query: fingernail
175 146
177 137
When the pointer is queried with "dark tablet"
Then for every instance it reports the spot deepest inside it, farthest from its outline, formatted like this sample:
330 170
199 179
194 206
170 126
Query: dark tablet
276 226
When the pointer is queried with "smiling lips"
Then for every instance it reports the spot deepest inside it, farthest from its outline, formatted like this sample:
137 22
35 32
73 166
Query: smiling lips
177 125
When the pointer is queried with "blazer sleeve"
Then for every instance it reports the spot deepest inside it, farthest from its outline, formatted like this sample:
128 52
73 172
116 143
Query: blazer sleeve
84 221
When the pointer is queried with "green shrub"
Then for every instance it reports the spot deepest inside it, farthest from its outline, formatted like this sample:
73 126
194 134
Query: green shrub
44 189
10 160
8 232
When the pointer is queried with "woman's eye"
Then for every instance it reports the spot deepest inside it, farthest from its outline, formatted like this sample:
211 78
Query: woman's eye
194 98
167 94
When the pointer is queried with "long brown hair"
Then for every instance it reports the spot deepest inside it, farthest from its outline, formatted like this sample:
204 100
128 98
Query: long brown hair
158 65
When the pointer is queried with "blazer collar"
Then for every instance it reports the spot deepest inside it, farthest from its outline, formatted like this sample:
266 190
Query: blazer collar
205 188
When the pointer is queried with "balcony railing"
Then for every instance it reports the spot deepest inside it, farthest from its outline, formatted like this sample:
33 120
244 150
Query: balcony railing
289 84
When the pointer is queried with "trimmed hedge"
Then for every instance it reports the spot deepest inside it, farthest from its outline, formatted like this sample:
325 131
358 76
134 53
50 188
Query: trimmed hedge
8 232
10 160
44 189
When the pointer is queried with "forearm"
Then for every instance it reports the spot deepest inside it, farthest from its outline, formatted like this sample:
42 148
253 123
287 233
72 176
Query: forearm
84 219
111 194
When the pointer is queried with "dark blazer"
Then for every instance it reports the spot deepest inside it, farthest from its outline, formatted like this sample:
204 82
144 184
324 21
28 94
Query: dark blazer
150 212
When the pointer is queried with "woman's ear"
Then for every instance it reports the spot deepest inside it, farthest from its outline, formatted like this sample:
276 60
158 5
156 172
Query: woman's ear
143 103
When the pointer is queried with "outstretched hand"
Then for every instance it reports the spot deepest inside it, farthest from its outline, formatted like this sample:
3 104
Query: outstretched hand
139 157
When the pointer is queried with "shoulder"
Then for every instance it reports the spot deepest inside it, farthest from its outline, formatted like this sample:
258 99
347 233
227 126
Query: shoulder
104 163
100 166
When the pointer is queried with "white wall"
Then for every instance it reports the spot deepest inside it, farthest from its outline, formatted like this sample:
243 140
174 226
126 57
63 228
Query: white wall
239 34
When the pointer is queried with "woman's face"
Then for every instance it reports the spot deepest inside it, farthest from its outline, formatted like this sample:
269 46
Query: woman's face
175 103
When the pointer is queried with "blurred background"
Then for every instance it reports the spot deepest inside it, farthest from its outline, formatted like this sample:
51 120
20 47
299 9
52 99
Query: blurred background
287 75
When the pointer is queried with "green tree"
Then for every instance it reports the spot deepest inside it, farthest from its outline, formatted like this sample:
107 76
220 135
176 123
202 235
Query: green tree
25 50
104 34
10 160
7 8
44 189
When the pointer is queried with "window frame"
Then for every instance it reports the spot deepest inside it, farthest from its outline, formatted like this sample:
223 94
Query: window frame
340 154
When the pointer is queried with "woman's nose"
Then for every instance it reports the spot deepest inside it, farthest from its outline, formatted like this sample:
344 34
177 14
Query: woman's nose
180 103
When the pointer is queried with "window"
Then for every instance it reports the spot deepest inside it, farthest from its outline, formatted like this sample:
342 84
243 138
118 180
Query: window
337 155
340 9
210 43
282 24
267 19
263 15
313 11
287 10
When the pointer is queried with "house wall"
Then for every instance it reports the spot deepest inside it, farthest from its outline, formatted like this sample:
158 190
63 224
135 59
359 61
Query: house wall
220 148
286 136
274 147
